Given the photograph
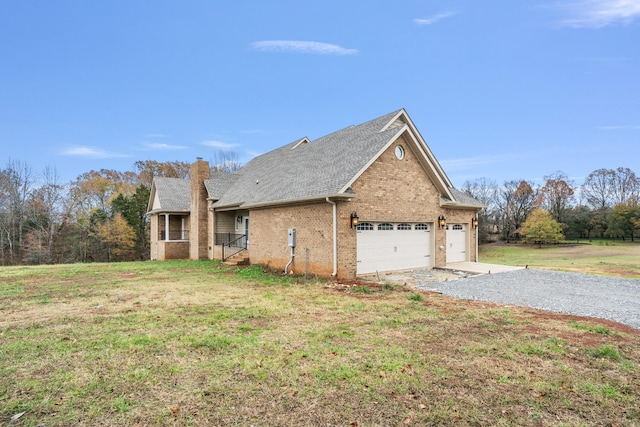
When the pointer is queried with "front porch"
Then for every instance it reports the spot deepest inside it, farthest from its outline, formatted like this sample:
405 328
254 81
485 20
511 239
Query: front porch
231 234
172 238
227 245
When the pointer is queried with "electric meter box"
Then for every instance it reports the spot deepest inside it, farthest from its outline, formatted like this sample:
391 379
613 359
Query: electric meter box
292 237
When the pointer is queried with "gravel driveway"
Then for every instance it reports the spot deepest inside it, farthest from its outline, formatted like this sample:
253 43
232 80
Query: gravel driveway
573 293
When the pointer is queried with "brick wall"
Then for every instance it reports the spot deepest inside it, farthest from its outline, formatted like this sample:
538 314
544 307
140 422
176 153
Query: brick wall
198 237
393 190
390 190
173 250
314 247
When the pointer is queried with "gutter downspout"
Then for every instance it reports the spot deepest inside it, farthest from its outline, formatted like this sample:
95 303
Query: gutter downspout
335 237
477 232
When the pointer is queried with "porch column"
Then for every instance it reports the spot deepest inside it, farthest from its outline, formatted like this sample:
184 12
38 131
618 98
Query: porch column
166 227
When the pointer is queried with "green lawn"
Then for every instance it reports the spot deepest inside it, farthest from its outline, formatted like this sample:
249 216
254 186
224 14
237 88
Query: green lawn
194 343
599 257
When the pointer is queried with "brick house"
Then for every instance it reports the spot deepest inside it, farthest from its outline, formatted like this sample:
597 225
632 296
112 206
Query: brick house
367 198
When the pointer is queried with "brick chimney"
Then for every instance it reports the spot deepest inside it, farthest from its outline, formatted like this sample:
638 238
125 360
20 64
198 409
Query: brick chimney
198 219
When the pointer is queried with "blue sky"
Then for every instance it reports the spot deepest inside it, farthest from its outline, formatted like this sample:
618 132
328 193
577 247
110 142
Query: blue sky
503 89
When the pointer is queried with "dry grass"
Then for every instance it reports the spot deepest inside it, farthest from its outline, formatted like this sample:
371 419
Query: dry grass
599 257
191 343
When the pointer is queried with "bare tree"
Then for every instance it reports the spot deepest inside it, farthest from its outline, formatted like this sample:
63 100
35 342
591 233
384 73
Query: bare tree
45 217
485 191
16 183
597 188
225 161
625 186
504 203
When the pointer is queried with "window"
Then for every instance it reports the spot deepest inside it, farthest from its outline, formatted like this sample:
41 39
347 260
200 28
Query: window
385 226
404 226
399 152
457 227
364 226
422 227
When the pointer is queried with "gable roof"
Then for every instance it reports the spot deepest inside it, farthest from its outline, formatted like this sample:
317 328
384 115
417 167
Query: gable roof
303 170
219 183
169 195
306 170
326 167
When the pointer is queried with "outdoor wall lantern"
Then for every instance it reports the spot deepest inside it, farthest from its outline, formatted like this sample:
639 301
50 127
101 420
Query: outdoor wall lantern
239 219
474 222
442 221
354 219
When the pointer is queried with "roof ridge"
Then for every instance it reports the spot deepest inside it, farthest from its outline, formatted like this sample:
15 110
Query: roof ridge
360 125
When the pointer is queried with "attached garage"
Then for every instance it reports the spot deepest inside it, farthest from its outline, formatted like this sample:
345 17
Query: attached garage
393 246
456 243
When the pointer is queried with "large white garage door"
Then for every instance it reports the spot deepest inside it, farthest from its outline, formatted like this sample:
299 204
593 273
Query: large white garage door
393 246
456 243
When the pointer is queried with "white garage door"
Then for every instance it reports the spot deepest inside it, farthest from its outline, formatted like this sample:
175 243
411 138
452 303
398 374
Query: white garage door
393 246
456 243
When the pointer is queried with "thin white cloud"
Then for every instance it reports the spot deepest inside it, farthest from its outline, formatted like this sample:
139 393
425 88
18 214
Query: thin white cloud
163 147
433 19
600 13
474 162
620 127
219 145
91 152
300 46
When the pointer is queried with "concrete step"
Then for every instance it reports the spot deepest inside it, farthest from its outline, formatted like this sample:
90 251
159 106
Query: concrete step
237 260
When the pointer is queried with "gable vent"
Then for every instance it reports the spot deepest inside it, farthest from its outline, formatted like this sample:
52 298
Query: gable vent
304 140
399 122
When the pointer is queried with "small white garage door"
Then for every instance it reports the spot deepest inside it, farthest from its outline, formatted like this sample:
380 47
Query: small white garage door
456 243
392 246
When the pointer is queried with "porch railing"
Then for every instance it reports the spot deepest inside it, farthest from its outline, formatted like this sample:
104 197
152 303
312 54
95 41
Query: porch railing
231 244
175 235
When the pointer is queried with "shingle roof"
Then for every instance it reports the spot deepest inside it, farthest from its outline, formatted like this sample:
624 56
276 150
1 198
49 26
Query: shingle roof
173 194
303 170
219 183
462 198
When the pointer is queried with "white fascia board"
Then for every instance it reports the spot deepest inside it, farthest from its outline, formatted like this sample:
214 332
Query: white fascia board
416 133
440 178
152 198
160 211
393 120
401 130
319 198
440 183
455 205
433 162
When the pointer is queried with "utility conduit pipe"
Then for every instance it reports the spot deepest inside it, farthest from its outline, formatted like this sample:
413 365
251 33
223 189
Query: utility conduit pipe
286 268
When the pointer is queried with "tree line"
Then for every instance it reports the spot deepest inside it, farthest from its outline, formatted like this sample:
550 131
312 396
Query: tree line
101 215
605 205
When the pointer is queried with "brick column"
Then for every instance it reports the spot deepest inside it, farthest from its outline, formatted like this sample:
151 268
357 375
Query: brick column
198 217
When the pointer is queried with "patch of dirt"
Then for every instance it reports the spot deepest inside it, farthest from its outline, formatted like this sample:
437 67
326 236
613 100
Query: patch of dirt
414 278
